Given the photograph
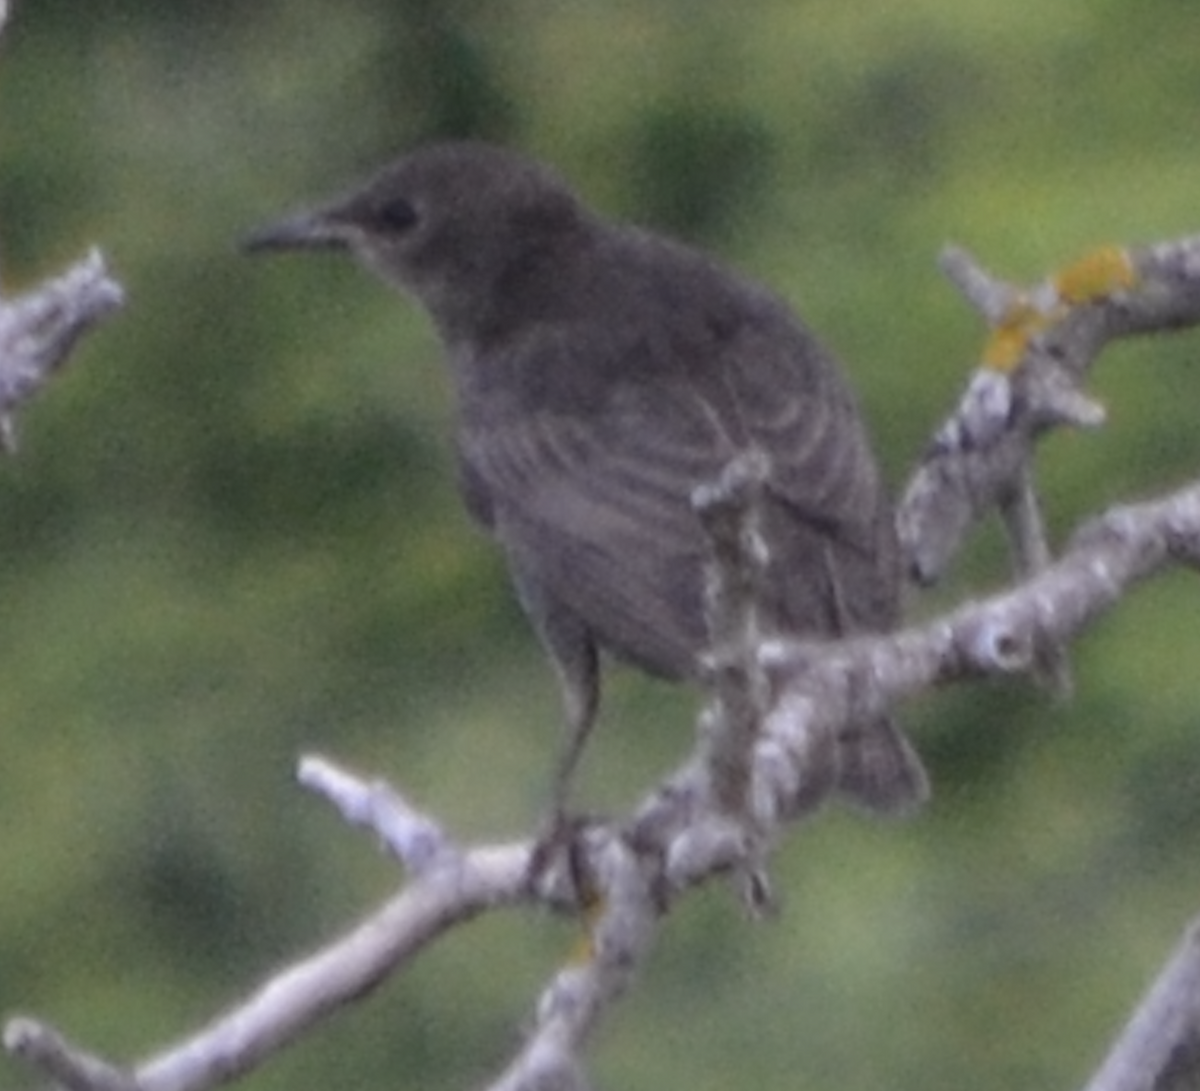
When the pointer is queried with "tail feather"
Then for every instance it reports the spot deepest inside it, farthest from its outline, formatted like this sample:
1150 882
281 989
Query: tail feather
879 771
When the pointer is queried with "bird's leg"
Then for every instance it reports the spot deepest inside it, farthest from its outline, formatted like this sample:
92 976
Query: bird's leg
576 661
577 665
580 702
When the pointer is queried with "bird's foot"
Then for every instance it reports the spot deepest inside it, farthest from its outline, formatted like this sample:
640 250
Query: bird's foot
560 874
558 868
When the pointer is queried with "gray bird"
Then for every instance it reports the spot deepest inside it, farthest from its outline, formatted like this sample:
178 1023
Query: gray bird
601 374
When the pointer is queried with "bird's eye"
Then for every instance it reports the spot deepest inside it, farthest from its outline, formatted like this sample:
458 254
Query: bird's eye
396 215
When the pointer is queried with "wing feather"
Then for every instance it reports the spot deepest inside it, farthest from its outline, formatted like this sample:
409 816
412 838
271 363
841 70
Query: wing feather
593 499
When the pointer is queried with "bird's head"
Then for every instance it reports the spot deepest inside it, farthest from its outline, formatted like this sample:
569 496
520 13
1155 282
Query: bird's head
450 224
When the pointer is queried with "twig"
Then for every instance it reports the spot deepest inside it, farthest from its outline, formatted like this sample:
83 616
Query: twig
1159 1049
68 1065
1044 341
292 1001
619 942
1031 555
39 329
730 511
414 838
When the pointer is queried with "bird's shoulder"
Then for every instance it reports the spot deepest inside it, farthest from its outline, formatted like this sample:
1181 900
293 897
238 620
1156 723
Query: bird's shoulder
630 313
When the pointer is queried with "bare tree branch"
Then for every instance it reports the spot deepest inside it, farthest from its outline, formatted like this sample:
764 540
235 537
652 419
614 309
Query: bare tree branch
1159 1049
1044 341
70 1067
39 329
293 1000
1000 635
413 838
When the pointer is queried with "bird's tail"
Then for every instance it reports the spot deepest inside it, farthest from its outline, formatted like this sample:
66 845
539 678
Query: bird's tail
878 769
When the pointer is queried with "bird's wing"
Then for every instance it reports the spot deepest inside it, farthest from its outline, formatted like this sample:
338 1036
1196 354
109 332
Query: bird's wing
596 514
593 502
836 566
774 387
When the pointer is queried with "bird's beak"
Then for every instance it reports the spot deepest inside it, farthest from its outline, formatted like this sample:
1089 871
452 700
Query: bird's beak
302 231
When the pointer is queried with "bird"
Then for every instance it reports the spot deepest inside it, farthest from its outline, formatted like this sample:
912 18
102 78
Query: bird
601 373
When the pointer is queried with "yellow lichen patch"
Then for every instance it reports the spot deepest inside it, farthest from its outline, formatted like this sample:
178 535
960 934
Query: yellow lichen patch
584 949
1010 336
1097 274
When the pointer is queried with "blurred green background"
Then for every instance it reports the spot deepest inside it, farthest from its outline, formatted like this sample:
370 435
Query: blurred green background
231 535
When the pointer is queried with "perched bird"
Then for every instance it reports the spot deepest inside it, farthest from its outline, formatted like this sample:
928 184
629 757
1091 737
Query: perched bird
601 374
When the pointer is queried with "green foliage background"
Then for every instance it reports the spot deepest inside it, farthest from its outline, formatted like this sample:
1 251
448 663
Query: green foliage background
231 535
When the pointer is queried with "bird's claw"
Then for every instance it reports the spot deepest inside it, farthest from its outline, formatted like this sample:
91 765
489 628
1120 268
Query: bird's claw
558 869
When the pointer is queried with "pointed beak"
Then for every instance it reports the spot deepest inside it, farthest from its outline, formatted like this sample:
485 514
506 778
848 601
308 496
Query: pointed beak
314 230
